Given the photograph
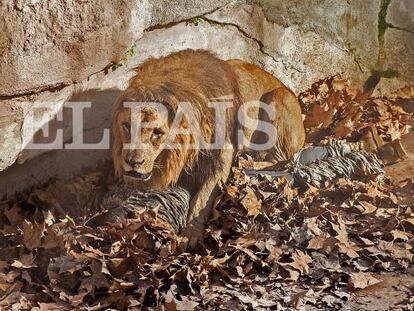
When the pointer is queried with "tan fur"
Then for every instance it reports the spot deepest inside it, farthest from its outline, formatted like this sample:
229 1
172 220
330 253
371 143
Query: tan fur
196 77
188 76
257 84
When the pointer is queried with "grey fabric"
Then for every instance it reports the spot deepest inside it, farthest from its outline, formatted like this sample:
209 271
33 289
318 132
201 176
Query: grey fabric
338 148
267 172
310 155
315 165
351 165
334 148
126 202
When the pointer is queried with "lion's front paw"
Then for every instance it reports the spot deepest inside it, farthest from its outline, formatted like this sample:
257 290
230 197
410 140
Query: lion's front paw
194 235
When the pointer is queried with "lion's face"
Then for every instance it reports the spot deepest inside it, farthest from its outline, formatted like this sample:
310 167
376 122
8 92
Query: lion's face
140 156
172 151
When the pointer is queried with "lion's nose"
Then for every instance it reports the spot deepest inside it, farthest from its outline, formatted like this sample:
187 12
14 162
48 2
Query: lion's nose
134 162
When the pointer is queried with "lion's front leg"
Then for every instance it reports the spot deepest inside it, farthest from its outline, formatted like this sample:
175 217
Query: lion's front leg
202 203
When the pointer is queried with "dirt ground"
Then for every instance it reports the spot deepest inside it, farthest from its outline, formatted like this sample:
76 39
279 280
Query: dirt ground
404 169
396 291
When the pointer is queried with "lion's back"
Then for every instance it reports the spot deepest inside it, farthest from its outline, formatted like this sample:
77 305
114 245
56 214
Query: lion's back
199 70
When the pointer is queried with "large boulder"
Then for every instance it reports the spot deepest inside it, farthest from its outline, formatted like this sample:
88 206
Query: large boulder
46 44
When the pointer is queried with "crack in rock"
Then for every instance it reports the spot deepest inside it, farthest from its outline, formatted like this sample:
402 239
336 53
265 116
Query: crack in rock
382 28
59 86
389 25
47 88
186 20
355 57
257 41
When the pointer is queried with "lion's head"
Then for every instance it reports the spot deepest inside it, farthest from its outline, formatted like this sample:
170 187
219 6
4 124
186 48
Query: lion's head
139 160
145 159
185 76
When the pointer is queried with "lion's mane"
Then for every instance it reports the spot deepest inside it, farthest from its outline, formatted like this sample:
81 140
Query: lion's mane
187 76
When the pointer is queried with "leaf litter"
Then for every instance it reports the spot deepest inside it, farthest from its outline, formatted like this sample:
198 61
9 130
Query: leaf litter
268 246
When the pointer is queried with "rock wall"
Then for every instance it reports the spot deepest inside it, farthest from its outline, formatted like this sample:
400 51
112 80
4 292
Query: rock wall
55 51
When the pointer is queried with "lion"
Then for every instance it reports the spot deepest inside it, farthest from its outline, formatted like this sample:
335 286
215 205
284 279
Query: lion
196 77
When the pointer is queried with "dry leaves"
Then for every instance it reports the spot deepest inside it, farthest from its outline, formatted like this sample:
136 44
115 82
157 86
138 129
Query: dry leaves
334 110
268 246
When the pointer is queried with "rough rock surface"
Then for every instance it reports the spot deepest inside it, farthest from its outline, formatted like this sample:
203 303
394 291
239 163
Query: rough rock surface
56 51
54 43
298 57
401 15
351 25
73 39
399 49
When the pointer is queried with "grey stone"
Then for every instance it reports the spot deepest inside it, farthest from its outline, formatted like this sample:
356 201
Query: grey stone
48 44
399 49
53 43
297 57
172 11
10 128
351 25
401 14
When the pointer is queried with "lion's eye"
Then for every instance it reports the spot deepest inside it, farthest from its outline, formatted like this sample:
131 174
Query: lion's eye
126 126
157 134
